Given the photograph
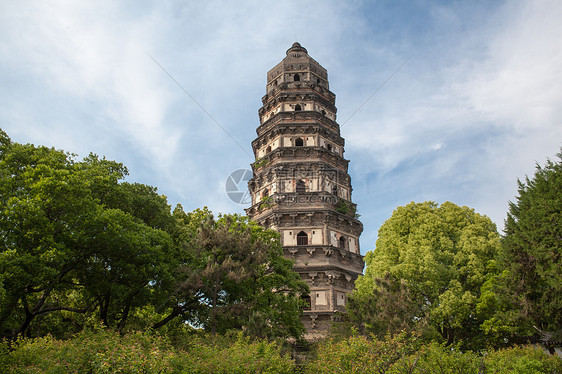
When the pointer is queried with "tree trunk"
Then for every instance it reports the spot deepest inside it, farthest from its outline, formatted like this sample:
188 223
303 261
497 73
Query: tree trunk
104 309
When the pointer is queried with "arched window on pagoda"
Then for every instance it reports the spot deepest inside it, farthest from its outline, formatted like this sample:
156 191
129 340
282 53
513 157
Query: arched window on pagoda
302 238
299 142
342 242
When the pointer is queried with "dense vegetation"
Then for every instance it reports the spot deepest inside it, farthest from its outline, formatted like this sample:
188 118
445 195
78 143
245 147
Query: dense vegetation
105 351
404 353
100 275
79 246
526 294
427 272
445 272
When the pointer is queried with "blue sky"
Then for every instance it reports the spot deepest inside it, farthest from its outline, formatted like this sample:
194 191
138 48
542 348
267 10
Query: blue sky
472 103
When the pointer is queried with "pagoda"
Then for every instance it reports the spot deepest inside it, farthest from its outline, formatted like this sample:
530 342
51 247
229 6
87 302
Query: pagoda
301 187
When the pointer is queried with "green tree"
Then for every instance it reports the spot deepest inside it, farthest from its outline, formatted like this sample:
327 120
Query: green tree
234 276
67 243
79 245
527 295
438 258
390 306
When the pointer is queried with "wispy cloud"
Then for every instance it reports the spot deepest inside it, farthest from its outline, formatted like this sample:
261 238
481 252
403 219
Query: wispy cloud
471 111
468 128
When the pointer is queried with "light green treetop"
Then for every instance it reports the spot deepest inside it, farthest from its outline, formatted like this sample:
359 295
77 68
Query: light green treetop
442 254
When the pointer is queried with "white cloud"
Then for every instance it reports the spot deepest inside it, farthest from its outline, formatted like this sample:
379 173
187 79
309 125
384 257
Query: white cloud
471 111
87 53
518 84
490 113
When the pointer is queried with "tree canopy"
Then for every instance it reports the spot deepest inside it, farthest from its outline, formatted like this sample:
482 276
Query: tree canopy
429 265
67 245
233 275
527 294
79 244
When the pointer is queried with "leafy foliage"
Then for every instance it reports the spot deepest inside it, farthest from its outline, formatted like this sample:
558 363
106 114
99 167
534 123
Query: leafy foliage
358 354
81 248
404 354
436 358
235 276
98 351
522 359
102 350
240 355
79 245
529 291
105 351
390 307
65 244
429 264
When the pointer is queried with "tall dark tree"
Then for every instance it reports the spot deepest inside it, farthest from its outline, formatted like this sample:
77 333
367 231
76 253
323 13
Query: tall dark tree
388 307
527 296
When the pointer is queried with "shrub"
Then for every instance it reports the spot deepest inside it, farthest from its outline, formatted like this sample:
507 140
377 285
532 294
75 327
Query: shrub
241 356
436 358
522 360
359 354
106 351
102 351
402 354
5 357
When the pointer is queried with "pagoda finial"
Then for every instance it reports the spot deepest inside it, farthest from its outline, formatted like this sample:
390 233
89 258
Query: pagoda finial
296 47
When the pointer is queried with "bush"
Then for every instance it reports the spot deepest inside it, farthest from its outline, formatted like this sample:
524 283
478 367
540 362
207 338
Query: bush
523 360
5 358
242 356
102 351
436 358
402 354
359 354
106 351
